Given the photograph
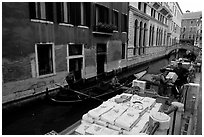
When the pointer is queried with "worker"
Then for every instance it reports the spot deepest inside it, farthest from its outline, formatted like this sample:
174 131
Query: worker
181 80
182 74
70 79
115 82
163 83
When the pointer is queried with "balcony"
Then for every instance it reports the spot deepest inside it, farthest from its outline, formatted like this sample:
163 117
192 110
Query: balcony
104 29
156 5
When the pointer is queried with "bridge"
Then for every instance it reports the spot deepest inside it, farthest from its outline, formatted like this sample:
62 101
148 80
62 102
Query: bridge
189 47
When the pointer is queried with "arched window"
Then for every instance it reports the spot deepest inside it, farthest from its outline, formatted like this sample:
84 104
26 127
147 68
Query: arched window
161 36
135 37
150 34
157 36
140 38
144 38
164 42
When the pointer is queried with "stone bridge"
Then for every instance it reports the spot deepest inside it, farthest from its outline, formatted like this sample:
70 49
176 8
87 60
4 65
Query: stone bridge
192 48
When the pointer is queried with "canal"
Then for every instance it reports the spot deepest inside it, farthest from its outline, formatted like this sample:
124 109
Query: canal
42 117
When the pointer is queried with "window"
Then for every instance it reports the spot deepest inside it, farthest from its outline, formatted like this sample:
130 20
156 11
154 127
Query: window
139 5
145 7
75 13
85 13
191 22
44 59
75 60
102 15
153 13
183 36
124 23
65 13
189 36
115 19
123 50
75 49
41 10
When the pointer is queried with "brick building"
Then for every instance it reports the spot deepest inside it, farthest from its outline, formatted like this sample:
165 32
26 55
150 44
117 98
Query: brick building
43 41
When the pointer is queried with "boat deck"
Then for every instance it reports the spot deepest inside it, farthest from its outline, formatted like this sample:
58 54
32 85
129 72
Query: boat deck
189 117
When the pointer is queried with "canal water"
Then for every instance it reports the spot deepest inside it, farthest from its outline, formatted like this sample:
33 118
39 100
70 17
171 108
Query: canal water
42 117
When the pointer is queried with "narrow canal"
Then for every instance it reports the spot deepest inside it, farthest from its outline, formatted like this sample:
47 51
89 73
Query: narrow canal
42 117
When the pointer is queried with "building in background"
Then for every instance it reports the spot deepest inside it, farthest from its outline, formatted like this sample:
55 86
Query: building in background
43 41
191 31
152 24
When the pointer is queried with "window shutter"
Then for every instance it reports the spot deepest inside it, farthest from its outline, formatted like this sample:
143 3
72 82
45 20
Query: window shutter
49 11
72 13
88 13
59 12
77 13
32 10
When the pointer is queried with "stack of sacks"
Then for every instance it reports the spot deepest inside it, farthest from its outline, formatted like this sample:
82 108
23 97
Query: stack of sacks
149 102
139 83
87 118
123 98
95 129
113 114
136 98
103 108
173 76
141 125
81 129
128 119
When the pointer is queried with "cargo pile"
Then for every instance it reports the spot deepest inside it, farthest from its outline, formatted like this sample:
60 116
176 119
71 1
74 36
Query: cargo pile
124 114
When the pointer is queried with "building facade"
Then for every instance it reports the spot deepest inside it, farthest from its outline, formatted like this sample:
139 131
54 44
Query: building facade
191 31
152 24
43 41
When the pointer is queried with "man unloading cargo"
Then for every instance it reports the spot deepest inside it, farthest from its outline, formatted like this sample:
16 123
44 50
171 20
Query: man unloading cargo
182 74
182 78
163 83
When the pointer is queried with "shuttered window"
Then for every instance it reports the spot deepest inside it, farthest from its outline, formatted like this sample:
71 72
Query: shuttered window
41 10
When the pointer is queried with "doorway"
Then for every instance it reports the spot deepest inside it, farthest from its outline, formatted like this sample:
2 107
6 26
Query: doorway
75 66
101 58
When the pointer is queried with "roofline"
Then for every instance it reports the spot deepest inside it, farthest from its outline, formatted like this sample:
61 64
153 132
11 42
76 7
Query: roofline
179 7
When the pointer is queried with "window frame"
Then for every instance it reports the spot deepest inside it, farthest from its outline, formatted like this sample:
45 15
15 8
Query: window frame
125 23
117 22
37 60
36 10
76 56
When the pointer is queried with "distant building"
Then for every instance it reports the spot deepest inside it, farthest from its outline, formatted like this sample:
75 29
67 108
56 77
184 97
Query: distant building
191 31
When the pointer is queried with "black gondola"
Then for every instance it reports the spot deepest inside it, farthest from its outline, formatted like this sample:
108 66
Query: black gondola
100 92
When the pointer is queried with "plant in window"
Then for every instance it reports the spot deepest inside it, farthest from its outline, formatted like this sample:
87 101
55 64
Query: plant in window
103 27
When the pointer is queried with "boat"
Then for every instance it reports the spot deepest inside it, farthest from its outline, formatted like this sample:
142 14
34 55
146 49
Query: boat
99 92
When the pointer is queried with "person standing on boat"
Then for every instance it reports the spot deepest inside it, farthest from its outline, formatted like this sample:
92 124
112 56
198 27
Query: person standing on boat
70 79
162 91
182 78
182 74
115 82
